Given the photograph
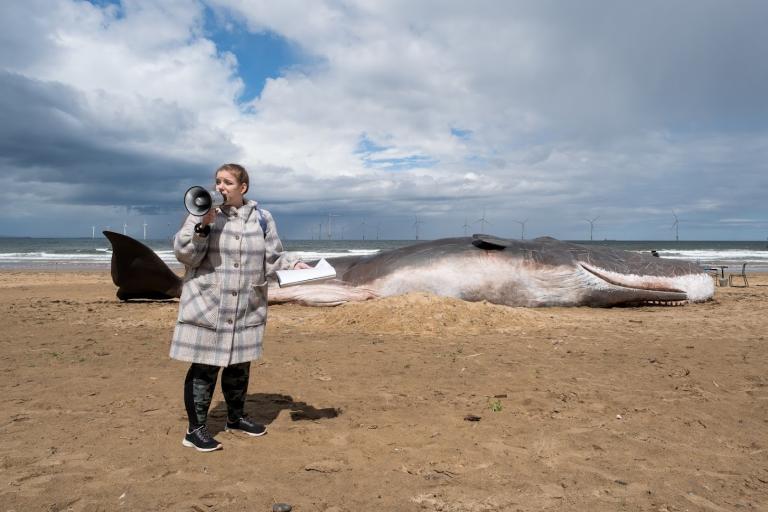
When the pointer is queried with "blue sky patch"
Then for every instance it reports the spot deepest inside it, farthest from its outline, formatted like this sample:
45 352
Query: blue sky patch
113 6
401 164
461 134
104 3
366 146
368 149
260 56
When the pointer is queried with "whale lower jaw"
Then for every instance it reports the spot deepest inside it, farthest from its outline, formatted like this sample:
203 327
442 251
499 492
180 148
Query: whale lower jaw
320 294
634 290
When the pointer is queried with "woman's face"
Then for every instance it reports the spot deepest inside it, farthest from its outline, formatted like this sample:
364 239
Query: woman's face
230 188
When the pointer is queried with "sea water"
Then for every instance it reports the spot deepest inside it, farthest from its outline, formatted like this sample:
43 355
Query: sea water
96 253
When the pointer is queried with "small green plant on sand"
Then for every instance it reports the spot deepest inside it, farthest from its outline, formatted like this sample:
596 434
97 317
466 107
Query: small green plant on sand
495 405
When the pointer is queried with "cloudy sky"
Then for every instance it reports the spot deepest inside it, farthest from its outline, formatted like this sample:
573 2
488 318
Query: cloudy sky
382 112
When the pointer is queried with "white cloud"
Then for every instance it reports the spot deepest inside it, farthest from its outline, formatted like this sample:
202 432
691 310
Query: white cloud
534 109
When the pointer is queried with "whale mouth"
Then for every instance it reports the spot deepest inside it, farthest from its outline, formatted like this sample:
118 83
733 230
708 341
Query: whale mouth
640 293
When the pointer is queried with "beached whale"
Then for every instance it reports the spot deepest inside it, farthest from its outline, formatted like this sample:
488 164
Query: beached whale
530 273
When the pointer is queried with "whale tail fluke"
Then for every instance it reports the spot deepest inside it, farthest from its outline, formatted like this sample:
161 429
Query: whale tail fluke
138 272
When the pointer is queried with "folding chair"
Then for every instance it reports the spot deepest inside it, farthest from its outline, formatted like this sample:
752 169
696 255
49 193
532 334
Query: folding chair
743 276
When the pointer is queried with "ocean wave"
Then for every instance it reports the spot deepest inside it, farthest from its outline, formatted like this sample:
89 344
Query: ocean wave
316 255
19 256
717 255
77 257
53 256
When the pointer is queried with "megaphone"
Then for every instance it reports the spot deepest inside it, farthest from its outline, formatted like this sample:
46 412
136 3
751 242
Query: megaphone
198 201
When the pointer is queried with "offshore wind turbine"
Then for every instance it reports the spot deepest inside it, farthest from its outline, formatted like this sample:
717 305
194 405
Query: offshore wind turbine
416 225
676 225
330 221
591 225
483 221
363 226
145 230
465 226
522 228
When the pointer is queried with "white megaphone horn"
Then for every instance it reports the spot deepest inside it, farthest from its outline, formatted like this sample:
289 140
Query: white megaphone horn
198 201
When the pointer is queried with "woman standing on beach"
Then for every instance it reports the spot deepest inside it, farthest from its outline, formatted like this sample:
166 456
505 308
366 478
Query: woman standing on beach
228 254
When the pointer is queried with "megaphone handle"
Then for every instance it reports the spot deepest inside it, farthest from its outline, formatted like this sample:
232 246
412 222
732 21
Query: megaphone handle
209 217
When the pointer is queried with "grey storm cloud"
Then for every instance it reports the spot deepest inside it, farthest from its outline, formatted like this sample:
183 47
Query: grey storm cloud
52 137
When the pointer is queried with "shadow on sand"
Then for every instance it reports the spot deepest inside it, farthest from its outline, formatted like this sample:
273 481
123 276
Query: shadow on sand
265 407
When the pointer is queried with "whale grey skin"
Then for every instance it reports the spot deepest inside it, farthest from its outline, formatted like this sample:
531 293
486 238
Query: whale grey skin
138 272
530 273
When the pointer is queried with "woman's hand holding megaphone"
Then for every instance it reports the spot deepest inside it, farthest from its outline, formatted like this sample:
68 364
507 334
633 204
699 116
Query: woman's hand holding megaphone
209 217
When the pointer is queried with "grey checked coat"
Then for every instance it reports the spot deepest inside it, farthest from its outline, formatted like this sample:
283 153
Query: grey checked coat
223 307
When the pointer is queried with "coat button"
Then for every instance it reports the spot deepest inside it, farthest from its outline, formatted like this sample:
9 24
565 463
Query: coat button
234 294
229 321
237 237
237 265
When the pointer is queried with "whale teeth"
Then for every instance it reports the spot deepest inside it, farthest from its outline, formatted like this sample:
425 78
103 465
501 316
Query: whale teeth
669 303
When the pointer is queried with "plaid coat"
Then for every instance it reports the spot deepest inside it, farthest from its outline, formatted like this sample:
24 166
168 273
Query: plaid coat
223 306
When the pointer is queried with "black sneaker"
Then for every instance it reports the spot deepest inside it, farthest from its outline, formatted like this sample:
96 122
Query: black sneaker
245 424
201 440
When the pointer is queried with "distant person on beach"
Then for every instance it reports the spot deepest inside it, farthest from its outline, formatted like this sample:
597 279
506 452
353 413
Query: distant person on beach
228 254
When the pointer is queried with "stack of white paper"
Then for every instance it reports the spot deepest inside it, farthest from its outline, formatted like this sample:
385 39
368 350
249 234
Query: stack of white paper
323 270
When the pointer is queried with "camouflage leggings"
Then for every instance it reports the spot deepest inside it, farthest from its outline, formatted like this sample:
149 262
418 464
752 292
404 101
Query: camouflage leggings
199 386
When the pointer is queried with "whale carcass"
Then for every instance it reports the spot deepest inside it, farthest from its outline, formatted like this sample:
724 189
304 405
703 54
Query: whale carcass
529 273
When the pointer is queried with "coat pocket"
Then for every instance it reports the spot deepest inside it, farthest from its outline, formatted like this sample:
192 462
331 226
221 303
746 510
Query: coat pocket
257 305
200 303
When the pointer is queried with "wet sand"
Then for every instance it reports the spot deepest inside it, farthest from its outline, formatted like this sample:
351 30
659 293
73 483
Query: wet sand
369 406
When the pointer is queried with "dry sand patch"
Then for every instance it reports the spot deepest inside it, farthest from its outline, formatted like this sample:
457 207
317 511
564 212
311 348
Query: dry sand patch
579 409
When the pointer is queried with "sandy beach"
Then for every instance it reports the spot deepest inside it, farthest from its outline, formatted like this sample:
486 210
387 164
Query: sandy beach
413 403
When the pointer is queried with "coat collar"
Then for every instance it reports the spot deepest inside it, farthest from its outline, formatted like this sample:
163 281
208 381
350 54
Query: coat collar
243 212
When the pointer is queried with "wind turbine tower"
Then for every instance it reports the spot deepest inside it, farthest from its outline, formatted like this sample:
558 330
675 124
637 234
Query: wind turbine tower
330 221
416 225
676 225
522 228
145 230
591 225
465 226
483 221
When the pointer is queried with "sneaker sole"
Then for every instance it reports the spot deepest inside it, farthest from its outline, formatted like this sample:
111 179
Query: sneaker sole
193 445
228 429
